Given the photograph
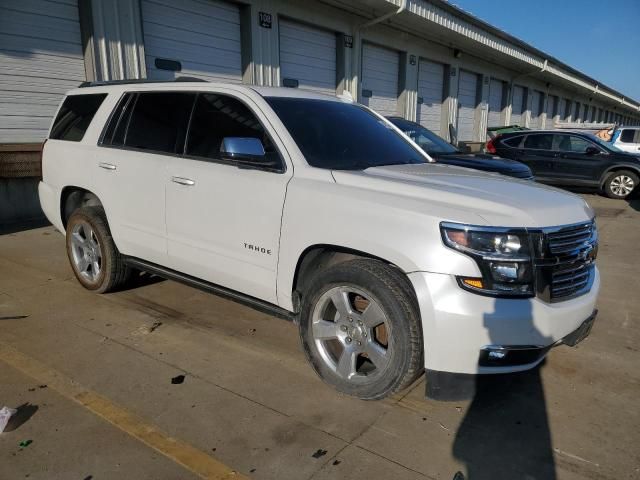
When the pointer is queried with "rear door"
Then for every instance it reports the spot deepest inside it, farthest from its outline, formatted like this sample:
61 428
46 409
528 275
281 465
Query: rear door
144 130
223 218
574 165
538 154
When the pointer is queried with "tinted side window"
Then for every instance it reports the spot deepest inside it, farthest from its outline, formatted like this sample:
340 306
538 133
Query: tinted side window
159 121
513 142
570 143
75 116
114 133
539 142
218 116
627 135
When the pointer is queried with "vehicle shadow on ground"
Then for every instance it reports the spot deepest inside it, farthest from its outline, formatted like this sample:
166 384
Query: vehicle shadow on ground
505 433
9 228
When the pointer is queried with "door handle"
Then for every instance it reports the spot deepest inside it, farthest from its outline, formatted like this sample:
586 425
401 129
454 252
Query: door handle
183 181
107 166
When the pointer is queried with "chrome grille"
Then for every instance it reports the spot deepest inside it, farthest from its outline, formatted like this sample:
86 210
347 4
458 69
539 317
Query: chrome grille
565 264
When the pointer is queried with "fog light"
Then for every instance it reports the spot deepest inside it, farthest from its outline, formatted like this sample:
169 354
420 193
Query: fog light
504 271
497 354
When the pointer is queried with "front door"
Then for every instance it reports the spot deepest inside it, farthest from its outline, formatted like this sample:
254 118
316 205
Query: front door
574 164
223 219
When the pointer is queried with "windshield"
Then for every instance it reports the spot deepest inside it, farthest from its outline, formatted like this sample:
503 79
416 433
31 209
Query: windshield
606 145
342 136
428 141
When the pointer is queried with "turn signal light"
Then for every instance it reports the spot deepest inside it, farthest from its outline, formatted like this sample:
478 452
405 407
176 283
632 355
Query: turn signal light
490 146
473 282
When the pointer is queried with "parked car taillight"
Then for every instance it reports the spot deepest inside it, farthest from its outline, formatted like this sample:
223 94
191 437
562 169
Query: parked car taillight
490 147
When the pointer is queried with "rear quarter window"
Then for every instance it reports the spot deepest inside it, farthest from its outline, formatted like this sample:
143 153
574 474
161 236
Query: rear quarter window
75 115
513 142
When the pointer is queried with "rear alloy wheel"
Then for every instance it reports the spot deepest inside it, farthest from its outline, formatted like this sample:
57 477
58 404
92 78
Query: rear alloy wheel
620 184
360 329
93 255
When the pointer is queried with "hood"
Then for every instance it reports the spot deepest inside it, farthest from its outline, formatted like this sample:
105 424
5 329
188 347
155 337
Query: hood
495 199
487 163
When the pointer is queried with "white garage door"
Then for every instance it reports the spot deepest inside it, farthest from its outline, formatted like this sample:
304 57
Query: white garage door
536 109
431 92
380 70
467 103
203 36
552 102
308 57
517 105
40 59
496 92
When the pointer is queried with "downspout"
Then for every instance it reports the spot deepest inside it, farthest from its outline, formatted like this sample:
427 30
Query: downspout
356 41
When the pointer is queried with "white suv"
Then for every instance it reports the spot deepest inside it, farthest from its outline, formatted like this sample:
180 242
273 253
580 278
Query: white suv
627 139
319 209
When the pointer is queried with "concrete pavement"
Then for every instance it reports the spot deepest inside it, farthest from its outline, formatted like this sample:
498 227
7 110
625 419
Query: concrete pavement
250 402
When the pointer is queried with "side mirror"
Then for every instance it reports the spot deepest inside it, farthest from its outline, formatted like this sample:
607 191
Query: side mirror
248 152
592 151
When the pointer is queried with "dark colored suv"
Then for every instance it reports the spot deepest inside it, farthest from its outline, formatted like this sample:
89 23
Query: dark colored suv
443 152
571 159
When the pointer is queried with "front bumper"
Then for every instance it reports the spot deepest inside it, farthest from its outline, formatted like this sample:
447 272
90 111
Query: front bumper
458 325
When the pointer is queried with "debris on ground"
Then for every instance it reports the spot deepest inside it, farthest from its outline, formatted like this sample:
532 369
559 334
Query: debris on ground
25 443
5 414
443 427
153 327
252 331
15 317
177 380
336 462
319 453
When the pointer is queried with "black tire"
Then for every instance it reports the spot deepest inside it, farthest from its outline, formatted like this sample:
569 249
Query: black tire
613 190
113 273
391 291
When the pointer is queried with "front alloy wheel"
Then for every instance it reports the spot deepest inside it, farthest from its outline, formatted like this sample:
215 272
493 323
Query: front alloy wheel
350 331
360 328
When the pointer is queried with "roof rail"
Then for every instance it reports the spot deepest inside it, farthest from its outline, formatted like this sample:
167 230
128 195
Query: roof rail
138 81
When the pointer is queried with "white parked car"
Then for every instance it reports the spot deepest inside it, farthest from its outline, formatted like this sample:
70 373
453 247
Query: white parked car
627 139
319 209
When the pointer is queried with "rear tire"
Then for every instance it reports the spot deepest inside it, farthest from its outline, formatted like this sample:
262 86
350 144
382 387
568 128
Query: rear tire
92 253
360 329
620 184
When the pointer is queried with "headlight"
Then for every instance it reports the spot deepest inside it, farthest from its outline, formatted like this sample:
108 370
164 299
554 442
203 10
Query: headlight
502 254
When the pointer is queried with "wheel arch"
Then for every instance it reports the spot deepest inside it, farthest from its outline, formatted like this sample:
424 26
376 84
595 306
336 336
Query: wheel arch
616 168
320 256
73 197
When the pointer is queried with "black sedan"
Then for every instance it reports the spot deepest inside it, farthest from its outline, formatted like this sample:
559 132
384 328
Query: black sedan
443 152
571 158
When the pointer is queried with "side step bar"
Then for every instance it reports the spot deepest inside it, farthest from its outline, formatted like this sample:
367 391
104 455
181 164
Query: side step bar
255 303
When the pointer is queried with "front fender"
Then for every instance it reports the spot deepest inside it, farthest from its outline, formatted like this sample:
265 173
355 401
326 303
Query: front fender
397 230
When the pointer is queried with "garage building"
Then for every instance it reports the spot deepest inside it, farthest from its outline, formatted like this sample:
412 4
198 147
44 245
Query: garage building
425 60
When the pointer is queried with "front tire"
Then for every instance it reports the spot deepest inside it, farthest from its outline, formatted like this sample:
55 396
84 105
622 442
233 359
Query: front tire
620 184
360 329
92 253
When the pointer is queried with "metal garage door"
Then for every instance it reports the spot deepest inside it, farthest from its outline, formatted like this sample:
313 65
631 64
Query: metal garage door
430 95
308 57
536 109
517 105
496 96
204 37
380 71
40 59
467 103
552 106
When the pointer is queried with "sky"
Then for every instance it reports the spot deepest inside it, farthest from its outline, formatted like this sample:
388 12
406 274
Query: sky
599 38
